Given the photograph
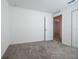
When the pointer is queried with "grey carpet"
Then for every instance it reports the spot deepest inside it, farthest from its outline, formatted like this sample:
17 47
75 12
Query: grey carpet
41 50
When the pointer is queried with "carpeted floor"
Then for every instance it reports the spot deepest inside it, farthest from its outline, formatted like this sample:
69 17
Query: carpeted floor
41 50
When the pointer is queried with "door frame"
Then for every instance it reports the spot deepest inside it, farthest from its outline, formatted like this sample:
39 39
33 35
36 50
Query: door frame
44 28
61 26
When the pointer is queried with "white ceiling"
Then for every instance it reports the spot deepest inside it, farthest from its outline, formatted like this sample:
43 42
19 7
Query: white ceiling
41 5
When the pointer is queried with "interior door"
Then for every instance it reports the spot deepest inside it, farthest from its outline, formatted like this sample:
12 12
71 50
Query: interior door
74 28
58 28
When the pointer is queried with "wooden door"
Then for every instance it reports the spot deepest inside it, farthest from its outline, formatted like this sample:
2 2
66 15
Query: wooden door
58 28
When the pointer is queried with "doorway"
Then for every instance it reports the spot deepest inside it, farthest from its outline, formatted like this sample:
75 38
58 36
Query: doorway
58 28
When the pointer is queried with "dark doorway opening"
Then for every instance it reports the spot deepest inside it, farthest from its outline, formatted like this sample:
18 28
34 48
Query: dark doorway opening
58 28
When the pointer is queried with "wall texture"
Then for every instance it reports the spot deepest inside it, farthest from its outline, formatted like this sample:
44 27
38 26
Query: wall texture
28 25
66 24
5 41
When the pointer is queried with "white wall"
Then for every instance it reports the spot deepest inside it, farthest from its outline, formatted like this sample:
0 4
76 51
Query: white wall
49 27
74 28
66 24
5 41
28 25
57 14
